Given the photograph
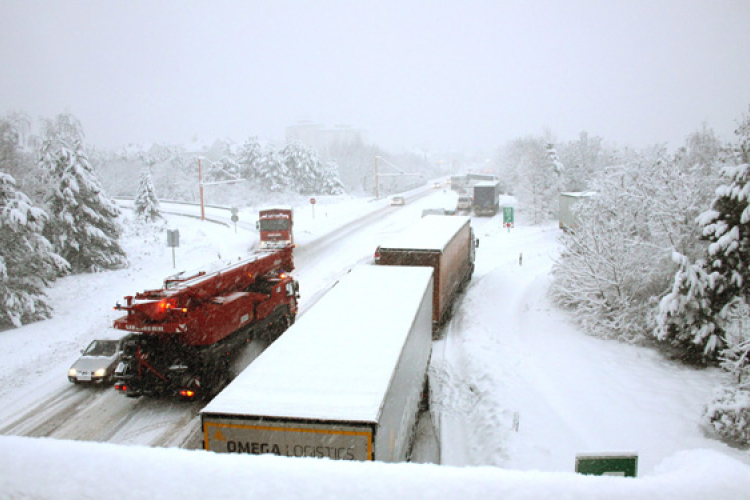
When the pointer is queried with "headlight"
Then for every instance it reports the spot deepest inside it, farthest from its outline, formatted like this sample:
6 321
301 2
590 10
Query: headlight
72 372
100 372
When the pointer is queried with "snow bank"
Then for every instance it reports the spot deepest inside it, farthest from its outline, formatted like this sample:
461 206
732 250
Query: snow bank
46 468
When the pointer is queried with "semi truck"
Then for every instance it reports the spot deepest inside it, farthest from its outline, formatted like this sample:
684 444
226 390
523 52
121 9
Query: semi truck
486 198
445 244
275 228
183 336
345 382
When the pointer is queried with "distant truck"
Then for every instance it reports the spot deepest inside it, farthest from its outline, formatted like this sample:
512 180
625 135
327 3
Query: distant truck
275 226
345 382
566 214
458 183
447 245
473 178
486 198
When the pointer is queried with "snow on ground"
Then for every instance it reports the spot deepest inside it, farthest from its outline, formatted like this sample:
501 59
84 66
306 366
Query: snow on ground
518 391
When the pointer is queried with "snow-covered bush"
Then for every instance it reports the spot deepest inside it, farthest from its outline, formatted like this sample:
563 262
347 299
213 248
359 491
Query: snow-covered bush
728 415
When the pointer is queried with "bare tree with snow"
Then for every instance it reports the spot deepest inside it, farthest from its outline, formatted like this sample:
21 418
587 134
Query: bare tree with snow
620 255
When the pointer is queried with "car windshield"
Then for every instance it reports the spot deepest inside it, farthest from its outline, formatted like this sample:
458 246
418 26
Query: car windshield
101 348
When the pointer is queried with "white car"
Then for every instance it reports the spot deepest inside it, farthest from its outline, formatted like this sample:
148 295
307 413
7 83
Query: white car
97 363
398 200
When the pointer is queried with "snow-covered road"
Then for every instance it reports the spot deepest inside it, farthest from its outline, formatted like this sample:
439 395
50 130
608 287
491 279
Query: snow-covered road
514 382
43 404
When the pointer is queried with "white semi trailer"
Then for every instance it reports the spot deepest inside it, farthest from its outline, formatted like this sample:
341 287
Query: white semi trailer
344 382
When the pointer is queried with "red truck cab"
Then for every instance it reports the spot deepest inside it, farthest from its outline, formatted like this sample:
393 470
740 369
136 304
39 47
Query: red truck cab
275 228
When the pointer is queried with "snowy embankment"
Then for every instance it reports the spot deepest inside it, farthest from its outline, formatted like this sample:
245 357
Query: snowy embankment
516 385
36 468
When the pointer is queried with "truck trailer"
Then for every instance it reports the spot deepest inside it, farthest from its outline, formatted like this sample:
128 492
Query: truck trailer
447 245
487 198
567 218
345 382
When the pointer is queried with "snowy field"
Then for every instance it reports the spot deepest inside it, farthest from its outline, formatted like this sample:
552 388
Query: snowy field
517 390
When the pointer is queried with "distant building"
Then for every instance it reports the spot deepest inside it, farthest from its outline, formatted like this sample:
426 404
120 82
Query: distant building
317 136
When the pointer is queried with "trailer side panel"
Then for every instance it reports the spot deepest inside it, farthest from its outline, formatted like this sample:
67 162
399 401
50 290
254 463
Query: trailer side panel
398 417
256 436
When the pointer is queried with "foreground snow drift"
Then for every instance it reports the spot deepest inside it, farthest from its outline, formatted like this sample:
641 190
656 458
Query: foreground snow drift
45 468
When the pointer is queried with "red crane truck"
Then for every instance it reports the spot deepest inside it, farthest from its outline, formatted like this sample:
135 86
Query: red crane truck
185 334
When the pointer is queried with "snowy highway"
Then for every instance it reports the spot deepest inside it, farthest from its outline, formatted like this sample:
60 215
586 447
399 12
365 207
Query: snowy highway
59 410
514 383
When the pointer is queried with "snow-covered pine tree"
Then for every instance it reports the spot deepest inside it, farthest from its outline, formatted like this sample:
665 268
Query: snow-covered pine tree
554 159
330 183
272 173
27 261
146 204
249 159
83 227
302 165
694 315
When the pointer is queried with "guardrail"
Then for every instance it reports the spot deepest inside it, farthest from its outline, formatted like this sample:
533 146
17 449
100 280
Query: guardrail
177 202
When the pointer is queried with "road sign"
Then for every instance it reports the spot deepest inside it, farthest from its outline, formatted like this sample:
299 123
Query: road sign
625 465
234 210
173 240
508 217
235 218
312 201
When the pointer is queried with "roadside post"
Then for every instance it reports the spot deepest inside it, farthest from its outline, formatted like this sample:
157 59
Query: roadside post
312 205
508 217
235 218
173 240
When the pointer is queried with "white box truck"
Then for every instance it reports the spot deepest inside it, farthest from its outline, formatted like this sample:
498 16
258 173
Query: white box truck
344 382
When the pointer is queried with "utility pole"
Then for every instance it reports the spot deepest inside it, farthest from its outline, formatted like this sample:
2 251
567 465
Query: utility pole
200 184
377 180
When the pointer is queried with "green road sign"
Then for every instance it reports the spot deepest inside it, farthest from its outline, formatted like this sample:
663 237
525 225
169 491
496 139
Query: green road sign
625 465
508 216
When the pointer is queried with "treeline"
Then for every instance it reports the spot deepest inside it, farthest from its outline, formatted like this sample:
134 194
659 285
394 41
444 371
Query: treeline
259 171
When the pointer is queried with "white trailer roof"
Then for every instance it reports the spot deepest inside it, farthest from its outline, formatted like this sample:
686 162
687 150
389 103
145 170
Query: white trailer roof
487 183
432 232
336 362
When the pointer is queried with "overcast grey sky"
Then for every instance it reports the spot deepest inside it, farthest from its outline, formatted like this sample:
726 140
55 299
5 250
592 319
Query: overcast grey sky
433 74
